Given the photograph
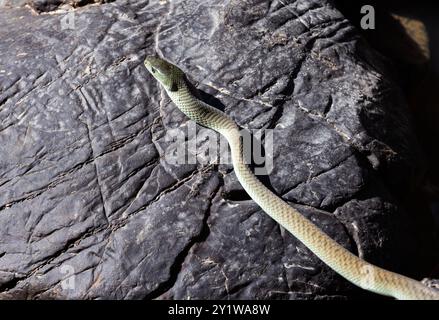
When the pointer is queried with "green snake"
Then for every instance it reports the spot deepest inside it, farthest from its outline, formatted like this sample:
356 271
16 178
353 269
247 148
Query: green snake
348 265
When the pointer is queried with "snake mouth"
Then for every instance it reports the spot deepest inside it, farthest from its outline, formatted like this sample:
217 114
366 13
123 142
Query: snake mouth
154 64
147 61
150 61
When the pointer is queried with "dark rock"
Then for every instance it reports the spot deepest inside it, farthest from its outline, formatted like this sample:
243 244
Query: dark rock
90 206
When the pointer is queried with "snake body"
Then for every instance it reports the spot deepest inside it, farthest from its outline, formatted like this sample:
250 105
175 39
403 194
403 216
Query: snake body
348 265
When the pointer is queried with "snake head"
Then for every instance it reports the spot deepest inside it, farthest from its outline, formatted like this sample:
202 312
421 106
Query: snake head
166 73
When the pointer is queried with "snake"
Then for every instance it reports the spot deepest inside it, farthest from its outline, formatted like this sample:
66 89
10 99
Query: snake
354 269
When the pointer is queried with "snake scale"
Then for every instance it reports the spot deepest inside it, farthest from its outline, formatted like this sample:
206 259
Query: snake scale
348 265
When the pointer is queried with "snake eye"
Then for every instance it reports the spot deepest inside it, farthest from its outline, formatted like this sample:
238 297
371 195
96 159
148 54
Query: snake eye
152 70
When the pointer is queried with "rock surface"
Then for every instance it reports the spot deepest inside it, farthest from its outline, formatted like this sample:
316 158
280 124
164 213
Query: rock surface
89 206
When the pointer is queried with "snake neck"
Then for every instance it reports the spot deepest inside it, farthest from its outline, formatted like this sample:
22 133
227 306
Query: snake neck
200 112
